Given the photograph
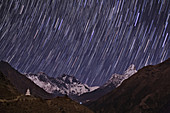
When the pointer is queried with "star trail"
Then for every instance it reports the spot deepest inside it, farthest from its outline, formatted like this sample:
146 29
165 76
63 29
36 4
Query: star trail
90 39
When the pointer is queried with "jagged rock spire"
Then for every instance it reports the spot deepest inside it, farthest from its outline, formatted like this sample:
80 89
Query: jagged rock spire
131 70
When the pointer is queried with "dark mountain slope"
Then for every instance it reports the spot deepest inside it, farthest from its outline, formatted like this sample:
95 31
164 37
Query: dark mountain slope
147 91
94 95
7 90
11 101
110 85
21 82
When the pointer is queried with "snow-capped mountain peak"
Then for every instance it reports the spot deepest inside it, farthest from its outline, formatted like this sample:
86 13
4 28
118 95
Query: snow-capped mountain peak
69 79
130 71
64 84
117 79
69 85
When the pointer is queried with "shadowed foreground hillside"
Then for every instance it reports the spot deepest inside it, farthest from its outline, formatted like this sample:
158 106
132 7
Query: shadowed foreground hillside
21 82
11 101
147 91
7 90
28 104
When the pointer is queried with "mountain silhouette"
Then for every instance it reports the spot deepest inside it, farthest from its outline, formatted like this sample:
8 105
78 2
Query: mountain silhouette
147 91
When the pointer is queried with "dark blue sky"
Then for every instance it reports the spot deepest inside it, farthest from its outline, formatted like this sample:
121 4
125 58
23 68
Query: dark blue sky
90 39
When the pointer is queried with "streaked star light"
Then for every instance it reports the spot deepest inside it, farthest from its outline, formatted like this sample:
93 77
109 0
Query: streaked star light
90 39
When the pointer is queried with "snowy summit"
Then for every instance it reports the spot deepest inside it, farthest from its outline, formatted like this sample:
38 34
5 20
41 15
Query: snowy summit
117 79
64 84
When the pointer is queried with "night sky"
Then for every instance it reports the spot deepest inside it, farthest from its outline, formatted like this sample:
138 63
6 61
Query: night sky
89 39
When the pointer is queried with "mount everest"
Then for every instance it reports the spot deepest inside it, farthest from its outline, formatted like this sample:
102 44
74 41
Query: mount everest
69 85
65 84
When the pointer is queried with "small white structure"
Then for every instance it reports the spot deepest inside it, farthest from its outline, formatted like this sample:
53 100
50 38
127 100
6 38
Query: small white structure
28 92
